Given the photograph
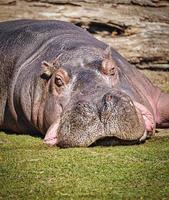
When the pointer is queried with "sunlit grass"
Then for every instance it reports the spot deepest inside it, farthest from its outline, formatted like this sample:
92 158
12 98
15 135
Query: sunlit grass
31 170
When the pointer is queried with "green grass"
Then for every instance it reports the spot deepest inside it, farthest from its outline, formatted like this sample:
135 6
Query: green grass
31 170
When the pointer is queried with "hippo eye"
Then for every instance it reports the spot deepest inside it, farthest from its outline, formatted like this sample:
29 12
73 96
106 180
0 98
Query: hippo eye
59 82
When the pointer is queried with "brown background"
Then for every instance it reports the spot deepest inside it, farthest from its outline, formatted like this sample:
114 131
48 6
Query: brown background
138 29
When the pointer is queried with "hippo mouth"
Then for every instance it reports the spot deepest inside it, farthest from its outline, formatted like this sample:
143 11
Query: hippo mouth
116 120
147 116
113 141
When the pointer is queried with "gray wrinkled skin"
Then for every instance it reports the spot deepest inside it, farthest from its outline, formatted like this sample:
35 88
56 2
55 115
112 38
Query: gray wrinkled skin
59 81
86 123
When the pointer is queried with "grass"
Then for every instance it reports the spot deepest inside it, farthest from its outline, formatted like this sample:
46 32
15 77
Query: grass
31 170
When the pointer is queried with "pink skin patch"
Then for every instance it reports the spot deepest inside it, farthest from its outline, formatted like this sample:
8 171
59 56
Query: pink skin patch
51 135
147 116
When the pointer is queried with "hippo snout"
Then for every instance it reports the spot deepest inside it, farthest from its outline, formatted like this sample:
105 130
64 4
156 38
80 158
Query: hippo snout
113 115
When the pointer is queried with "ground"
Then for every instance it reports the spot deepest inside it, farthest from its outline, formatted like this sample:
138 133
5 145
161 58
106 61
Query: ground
31 170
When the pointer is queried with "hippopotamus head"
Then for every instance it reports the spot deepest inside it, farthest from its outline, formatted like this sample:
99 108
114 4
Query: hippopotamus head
83 105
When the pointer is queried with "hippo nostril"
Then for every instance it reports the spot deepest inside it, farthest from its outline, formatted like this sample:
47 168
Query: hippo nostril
108 98
84 108
82 104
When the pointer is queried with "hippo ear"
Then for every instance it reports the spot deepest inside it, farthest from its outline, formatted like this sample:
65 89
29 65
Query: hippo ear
108 66
47 70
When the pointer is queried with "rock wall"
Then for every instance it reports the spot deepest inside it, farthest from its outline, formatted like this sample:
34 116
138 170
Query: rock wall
138 29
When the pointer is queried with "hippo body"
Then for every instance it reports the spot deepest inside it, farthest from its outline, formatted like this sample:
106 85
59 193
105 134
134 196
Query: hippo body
58 80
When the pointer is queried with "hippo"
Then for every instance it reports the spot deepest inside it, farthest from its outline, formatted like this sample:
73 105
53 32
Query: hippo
59 81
